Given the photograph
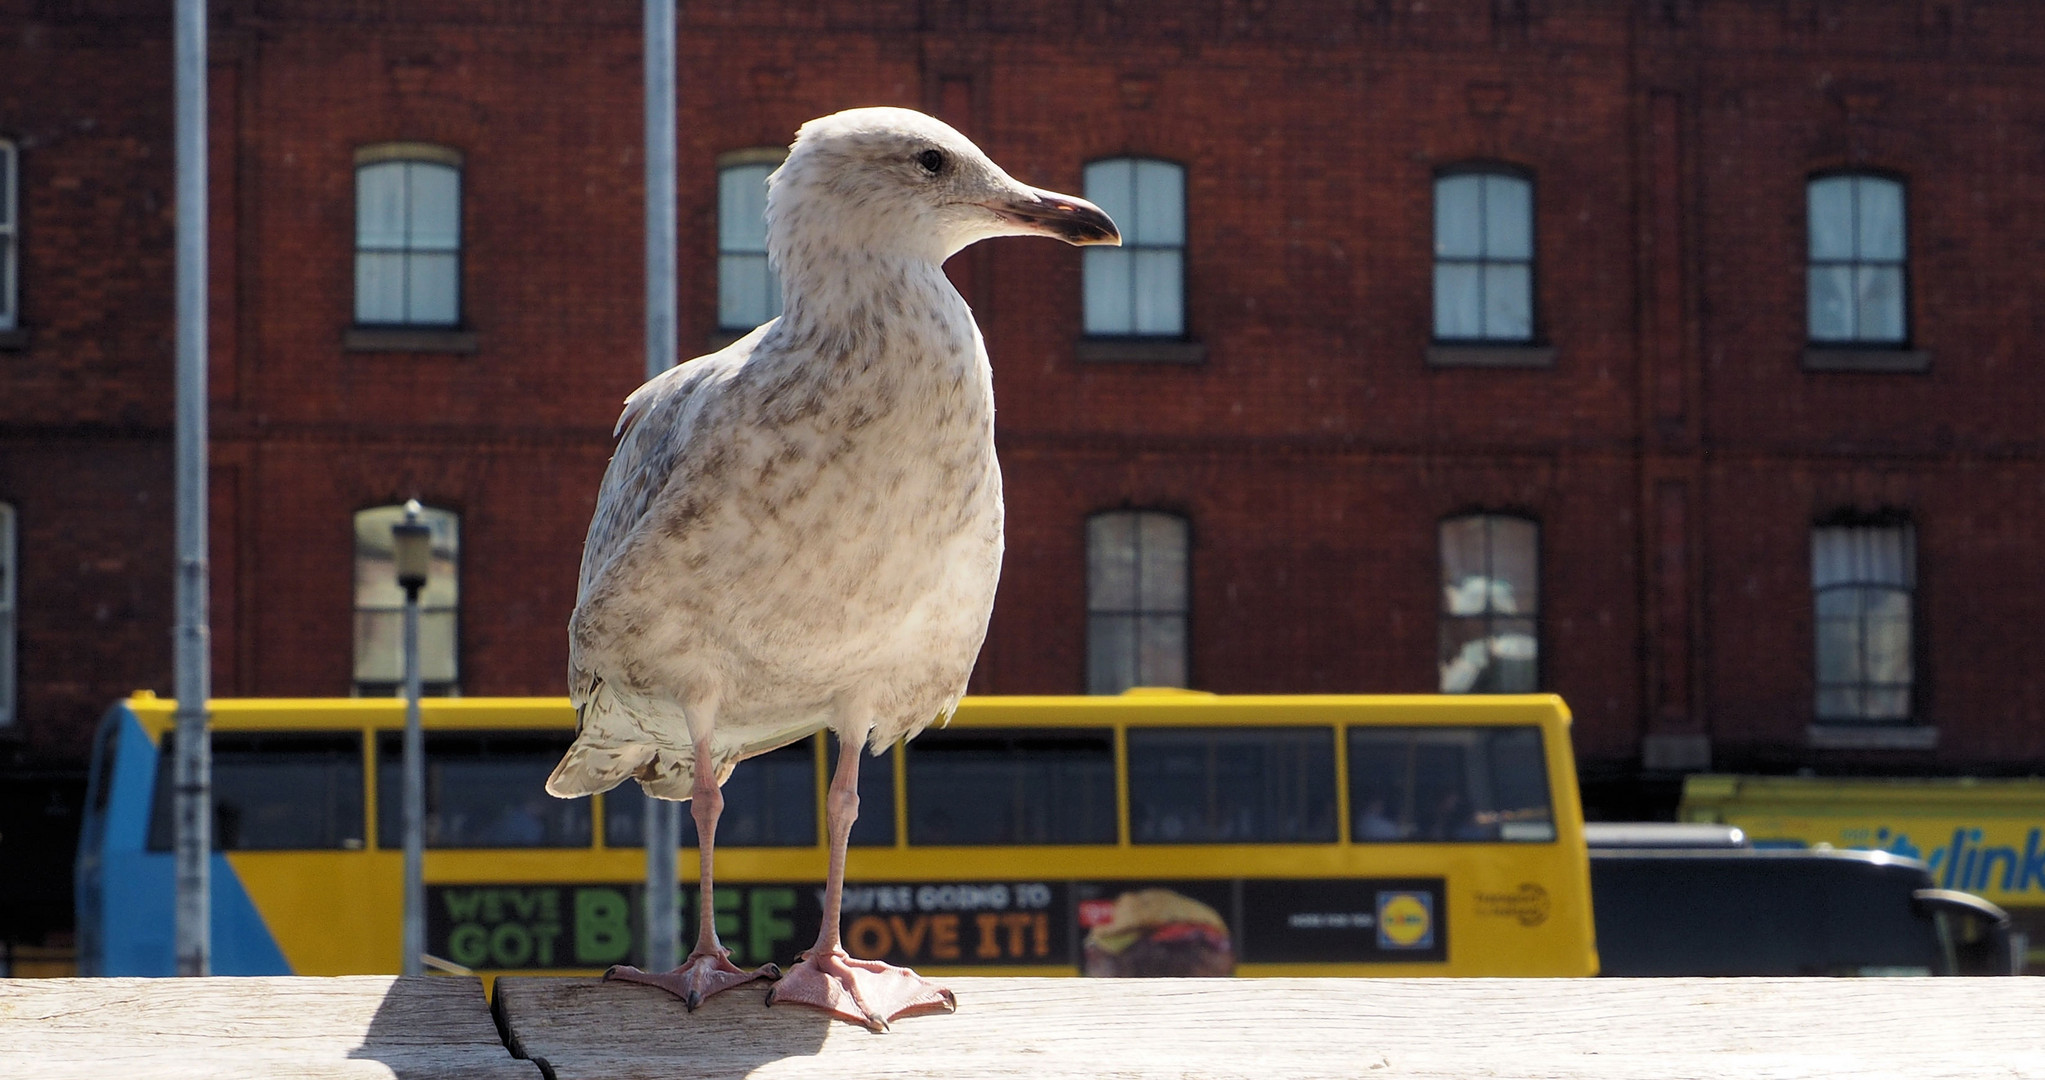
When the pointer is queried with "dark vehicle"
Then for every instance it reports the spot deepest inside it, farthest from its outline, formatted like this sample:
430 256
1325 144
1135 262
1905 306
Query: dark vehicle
1718 908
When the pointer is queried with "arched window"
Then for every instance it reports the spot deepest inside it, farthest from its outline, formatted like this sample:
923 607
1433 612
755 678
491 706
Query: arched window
1863 584
1490 604
10 235
9 628
1857 260
1136 589
380 605
408 235
1138 289
1483 256
748 290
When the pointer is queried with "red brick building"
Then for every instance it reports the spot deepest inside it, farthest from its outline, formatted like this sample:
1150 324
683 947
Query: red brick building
1713 322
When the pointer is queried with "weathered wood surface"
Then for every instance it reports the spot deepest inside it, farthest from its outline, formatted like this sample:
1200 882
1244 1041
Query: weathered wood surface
1287 1029
325 1029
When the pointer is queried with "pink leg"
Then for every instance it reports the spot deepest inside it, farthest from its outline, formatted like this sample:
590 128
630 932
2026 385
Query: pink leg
863 991
709 969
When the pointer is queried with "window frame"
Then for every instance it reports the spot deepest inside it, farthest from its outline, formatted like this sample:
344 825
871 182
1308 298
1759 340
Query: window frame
1134 244
412 153
1901 264
10 613
750 158
1137 612
359 687
1533 338
1908 589
1446 617
10 236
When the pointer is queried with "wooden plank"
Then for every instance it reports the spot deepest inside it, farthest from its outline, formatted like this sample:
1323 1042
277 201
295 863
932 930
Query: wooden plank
355 1028
1538 1029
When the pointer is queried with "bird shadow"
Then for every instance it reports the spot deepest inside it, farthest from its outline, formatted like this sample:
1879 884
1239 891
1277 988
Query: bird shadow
589 1027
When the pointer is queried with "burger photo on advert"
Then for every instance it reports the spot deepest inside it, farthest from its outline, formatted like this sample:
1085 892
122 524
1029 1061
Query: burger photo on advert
1153 933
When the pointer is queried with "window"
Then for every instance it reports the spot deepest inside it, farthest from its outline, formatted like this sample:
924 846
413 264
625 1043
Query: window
10 235
9 631
1483 257
1012 787
748 290
272 792
770 801
380 605
1857 261
1489 601
1138 289
1231 786
876 824
408 235
1135 600
1432 784
483 790
1863 578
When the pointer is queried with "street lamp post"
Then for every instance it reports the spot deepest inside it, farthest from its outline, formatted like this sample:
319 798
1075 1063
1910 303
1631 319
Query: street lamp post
412 545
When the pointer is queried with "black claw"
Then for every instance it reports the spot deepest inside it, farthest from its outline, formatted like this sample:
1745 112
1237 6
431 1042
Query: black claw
770 971
691 1000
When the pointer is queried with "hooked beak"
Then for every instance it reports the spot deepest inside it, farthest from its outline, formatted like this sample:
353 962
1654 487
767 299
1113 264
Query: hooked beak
1070 219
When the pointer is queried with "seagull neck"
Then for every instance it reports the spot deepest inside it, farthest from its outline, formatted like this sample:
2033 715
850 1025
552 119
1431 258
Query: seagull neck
832 292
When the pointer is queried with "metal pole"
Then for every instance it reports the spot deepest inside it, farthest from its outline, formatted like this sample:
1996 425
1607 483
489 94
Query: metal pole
191 645
663 821
415 798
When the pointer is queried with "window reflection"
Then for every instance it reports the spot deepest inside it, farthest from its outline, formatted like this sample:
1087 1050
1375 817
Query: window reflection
1231 785
1015 787
272 792
1427 784
380 605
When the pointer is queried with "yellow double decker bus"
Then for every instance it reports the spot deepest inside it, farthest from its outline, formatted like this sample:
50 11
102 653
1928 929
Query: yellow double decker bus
1152 833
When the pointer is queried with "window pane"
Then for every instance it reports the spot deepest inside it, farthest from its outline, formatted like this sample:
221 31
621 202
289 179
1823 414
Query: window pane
1463 561
1879 299
1161 655
1111 562
1111 185
435 221
1458 222
1109 301
1508 301
1839 644
1831 303
1457 315
1160 217
742 208
1448 784
1110 653
769 801
380 206
1508 218
746 292
876 824
1887 636
1232 786
379 288
482 791
281 792
1886 703
1840 703
1160 279
379 625
1515 659
1831 214
1515 562
1021 787
431 289
1880 219
1465 654
1162 575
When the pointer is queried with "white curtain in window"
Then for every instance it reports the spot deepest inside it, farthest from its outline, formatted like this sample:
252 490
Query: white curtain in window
407 243
1136 600
1854 289
1863 580
1138 288
1490 589
1484 254
748 290
380 603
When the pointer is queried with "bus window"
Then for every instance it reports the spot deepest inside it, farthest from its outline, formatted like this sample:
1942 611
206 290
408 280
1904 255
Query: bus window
1231 785
875 826
483 790
1437 784
272 792
1012 787
770 801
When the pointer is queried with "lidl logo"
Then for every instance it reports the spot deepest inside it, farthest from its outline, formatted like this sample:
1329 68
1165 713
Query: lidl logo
1405 920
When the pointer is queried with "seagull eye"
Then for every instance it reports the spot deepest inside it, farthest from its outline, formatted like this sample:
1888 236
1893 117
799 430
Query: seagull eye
932 161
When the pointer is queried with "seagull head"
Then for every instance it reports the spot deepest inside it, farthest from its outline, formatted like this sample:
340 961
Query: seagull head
896 181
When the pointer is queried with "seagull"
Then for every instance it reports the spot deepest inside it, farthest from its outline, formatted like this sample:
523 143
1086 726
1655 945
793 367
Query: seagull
804 530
